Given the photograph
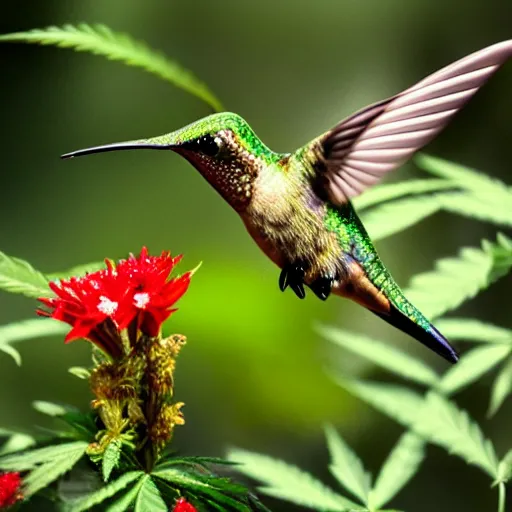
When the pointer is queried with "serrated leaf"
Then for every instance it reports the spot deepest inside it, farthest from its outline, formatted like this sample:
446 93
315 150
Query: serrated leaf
383 355
390 218
501 388
468 329
471 366
106 492
465 177
505 468
11 351
400 466
484 206
46 473
387 192
397 402
443 423
49 408
110 459
346 466
149 498
124 502
101 40
80 372
289 483
19 276
454 280
78 271
29 459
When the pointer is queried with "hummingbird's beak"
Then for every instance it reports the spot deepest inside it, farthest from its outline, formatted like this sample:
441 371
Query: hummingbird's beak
161 143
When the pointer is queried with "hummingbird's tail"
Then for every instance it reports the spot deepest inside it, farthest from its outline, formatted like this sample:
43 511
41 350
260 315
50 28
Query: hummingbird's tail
426 334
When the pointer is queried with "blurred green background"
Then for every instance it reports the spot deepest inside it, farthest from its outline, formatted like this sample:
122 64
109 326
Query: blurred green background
252 374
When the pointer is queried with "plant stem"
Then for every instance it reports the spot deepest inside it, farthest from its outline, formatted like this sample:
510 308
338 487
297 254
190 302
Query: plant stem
501 497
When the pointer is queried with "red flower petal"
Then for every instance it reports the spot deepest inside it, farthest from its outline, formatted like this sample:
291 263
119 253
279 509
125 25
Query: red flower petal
10 484
182 505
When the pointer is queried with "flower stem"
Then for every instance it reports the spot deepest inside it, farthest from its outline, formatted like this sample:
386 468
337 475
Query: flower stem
501 497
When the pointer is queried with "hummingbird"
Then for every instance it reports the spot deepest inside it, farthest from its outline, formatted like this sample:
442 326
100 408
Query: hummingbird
297 206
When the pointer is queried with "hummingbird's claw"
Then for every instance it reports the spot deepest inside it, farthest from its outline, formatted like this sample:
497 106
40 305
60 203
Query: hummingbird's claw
322 286
293 275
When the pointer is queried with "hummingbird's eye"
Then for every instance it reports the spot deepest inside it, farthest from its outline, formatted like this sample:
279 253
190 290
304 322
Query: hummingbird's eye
208 145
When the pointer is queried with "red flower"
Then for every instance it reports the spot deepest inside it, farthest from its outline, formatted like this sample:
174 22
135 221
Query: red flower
9 489
135 293
182 505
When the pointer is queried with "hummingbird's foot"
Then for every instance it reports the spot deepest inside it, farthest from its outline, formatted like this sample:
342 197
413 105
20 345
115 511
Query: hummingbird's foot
322 286
292 275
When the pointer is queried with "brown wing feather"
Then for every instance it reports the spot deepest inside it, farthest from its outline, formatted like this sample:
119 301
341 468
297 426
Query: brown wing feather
363 148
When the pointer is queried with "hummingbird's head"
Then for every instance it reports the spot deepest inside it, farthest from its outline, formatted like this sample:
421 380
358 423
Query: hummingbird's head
222 147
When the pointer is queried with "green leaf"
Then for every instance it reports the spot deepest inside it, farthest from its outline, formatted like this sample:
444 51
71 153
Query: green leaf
49 408
467 329
10 351
505 468
89 501
29 459
289 483
16 442
390 218
442 423
472 366
455 280
383 355
398 402
48 472
501 388
78 271
32 328
465 177
123 503
484 206
101 40
110 459
387 192
401 465
18 276
149 498
80 372
346 466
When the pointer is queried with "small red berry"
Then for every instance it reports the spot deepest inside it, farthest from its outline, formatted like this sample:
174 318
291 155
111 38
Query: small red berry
182 505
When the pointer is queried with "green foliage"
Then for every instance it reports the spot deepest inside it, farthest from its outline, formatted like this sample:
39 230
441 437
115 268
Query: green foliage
347 467
103 494
110 459
501 388
101 40
382 355
149 498
288 482
454 280
468 329
18 276
79 270
45 464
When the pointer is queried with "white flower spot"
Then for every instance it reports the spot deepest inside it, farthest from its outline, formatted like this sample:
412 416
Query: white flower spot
141 300
107 306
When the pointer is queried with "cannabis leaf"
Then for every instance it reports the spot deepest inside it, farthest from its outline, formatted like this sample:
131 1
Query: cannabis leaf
18 276
468 329
382 193
501 388
110 458
390 218
347 467
45 464
400 466
288 482
460 278
472 366
101 40
443 423
149 498
383 355
101 495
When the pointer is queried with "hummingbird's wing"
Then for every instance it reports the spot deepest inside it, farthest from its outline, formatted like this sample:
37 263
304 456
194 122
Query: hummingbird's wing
363 148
